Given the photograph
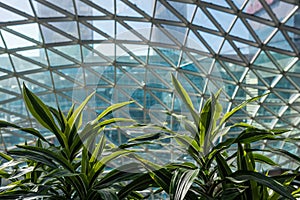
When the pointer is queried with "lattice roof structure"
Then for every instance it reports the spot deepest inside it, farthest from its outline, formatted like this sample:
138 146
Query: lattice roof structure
127 49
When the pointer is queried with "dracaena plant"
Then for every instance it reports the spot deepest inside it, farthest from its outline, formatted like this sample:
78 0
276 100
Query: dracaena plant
70 168
224 170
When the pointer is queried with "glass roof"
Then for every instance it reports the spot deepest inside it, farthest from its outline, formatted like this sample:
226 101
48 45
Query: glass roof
127 49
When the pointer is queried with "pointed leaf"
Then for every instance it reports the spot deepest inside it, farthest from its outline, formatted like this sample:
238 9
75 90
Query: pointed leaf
110 109
181 183
185 98
42 114
264 180
75 118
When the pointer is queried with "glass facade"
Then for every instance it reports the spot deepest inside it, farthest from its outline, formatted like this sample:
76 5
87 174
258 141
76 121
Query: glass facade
127 49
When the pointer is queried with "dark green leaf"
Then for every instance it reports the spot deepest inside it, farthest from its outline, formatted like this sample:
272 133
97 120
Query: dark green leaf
264 180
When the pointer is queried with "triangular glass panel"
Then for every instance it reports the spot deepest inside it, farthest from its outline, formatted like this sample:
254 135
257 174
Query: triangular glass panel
184 9
23 65
264 61
32 86
51 36
205 63
194 42
13 41
210 37
123 33
88 34
197 80
103 97
70 50
90 56
178 33
294 20
228 51
30 30
91 78
161 12
43 11
8 16
257 9
153 80
123 56
295 79
41 77
262 31
105 26
75 74
160 37
57 60
172 54
201 19
221 73
68 27
18 107
282 59
106 49
64 103
145 6
77 94
106 74
140 51
248 51
5 62
282 9
188 87
282 124
279 41
124 10
144 28
23 7
86 10
223 18
48 99
158 78
240 95
126 76
156 59
107 5
66 5
236 70
264 113
5 96
267 76
253 82
295 68
61 82
295 38
240 30
284 83
10 84
290 119
37 55
285 95
187 64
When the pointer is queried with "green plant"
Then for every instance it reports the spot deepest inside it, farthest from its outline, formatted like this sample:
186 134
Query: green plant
70 168
224 170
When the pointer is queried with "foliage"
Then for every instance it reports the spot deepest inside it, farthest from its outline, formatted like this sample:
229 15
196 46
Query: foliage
74 166
224 170
70 168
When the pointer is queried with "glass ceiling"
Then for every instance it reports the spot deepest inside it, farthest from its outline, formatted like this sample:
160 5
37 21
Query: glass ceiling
127 49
